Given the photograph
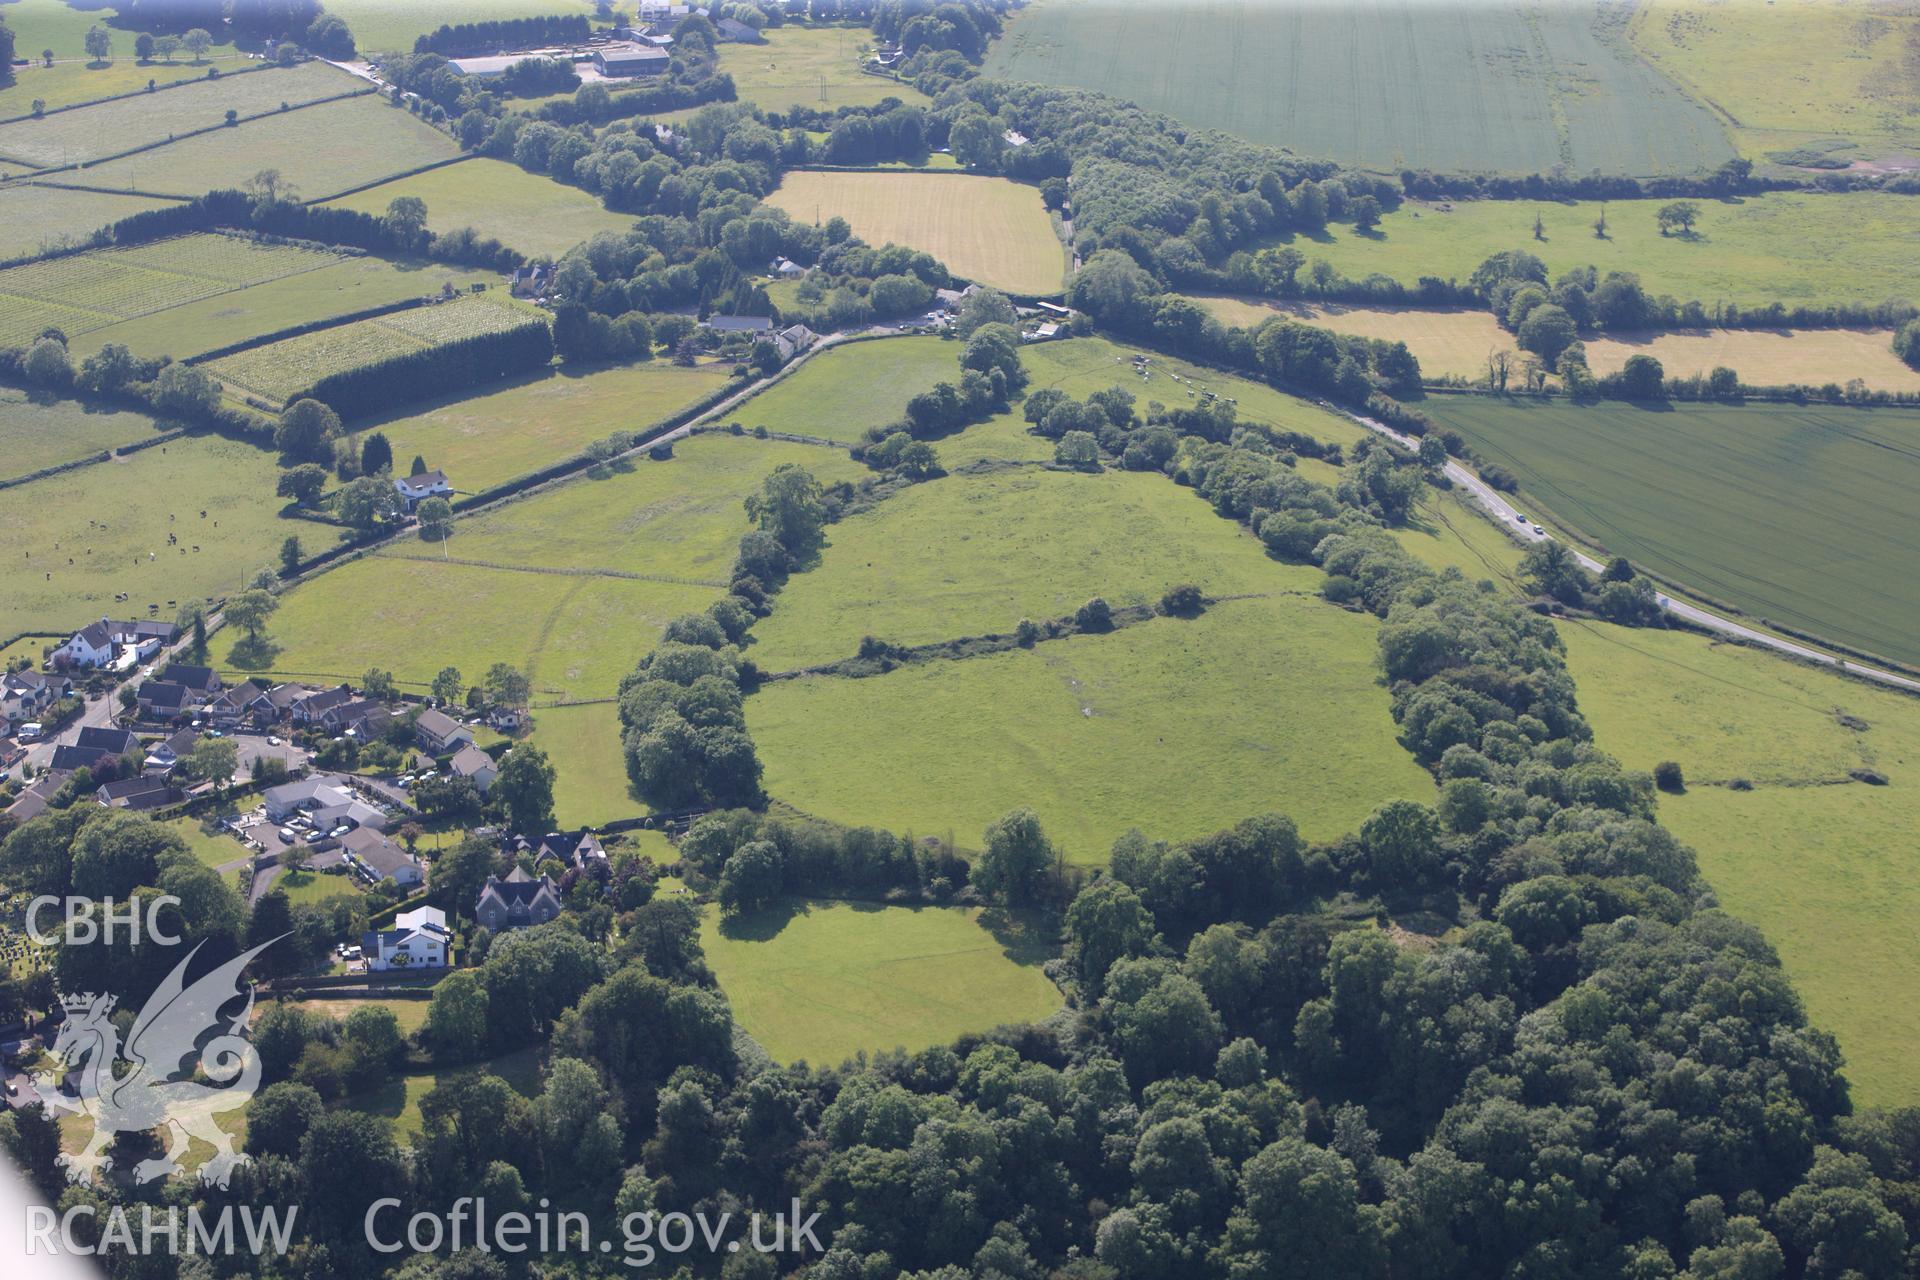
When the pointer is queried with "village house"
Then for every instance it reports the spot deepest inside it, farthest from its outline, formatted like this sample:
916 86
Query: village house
439 733
35 799
793 340
94 745
472 763
229 707
139 793
787 269
374 858
418 940
309 710
418 488
163 700
165 756
106 642
327 799
568 848
516 902
26 695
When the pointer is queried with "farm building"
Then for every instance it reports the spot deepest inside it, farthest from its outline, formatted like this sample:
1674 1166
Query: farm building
737 32
622 60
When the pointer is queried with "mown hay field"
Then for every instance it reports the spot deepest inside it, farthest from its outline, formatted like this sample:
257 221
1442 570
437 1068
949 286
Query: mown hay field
986 229
1382 84
817 68
972 554
89 291
36 432
281 369
1801 516
525 211
1176 727
842 392
319 150
36 218
1792 247
88 133
484 440
1823 76
112 521
1821 864
819 981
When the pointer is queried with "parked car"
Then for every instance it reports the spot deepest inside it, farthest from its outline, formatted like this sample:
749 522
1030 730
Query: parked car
273 739
314 837
286 835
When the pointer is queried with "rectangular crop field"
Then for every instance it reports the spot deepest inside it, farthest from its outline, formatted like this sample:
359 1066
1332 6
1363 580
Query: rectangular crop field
1452 341
285 368
1822 865
986 229
36 434
78 539
1792 246
86 134
821 981
843 391
817 68
36 218
527 212
89 291
971 554
1382 84
484 440
1176 727
1800 516
319 150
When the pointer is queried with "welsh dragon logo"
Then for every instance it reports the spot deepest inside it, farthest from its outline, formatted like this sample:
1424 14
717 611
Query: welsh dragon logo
171 1029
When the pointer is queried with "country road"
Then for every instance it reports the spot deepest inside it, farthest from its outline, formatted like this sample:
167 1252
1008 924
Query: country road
1508 517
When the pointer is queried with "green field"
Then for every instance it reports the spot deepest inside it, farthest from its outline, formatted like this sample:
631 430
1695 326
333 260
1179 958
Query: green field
1176 727
109 519
843 391
821 981
976 553
34 219
484 440
389 26
282 369
410 1014
319 150
86 134
1787 246
37 433
1382 84
1799 516
338 288
986 229
590 774
817 68
91 291
1823 75
529 213
1821 864
213 850
74 75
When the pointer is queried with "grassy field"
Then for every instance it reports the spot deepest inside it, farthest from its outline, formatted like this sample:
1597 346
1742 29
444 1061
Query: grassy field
112 522
838 394
1175 727
282 369
1379 83
209 850
1447 532
74 75
389 26
590 782
319 150
817 68
1824 75
986 229
34 219
410 1014
821 981
339 288
1797 515
535 215
977 553
1789 246
93 290
36 434
484 440
1820 864
86 134
1455 342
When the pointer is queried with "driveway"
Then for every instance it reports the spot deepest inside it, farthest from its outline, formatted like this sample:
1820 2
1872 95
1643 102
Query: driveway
253 746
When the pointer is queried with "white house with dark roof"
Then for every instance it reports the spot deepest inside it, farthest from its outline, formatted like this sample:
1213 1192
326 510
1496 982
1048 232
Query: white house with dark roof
100 644
418 940
418 488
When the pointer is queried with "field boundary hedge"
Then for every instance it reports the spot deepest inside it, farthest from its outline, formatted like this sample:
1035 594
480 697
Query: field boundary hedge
444 366
414 172
140 93
92 459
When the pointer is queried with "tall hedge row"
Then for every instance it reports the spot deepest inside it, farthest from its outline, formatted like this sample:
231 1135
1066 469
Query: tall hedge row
451 366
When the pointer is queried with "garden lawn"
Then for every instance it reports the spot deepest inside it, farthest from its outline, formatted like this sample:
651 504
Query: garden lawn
214 850
1793 247
850 387
1382 84
1799 516
35 219
484 440
86 134
37 433
986 229
317 886
819 982
590 772
112 521
321 151
410 1014
1176 727
1825 867
817 68
972 554
525 211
